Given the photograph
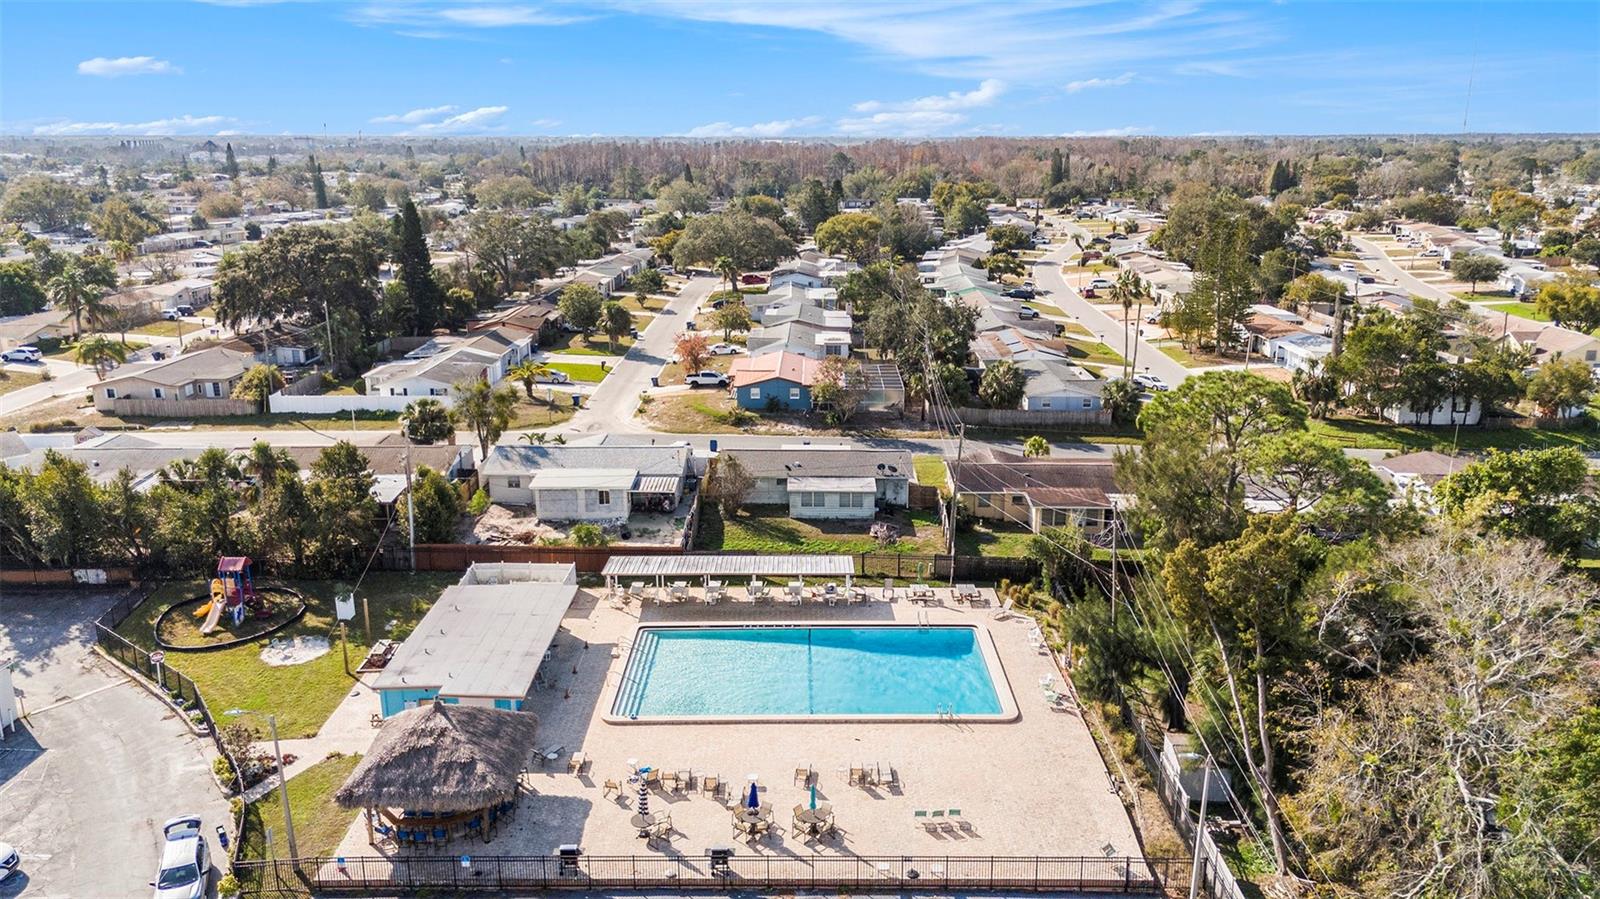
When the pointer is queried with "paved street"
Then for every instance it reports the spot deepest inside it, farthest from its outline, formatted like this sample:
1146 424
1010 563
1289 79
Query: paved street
101 764
1374 256
611 406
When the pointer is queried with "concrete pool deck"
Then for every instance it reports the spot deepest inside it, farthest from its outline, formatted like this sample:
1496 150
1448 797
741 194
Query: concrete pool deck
1033 786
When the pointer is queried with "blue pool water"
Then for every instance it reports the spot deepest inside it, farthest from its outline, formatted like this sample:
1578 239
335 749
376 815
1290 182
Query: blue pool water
801 671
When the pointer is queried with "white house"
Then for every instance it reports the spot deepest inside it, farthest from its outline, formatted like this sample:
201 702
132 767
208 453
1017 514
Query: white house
487 356
588 483
827 482
1456 410
1059 387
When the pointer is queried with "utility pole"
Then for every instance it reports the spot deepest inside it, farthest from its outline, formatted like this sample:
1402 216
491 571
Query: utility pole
283 787
1200 825
411 508
955 478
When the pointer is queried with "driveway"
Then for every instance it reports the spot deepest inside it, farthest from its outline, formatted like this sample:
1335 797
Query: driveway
99 764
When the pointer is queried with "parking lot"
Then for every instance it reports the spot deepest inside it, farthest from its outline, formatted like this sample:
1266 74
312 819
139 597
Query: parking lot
99 765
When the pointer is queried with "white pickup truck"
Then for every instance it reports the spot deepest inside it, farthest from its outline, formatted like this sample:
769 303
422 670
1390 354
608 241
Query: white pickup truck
706 379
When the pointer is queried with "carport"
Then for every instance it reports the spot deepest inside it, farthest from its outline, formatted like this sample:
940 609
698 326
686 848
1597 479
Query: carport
722 567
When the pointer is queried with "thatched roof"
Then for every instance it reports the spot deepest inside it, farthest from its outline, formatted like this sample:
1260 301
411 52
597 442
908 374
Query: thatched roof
442 757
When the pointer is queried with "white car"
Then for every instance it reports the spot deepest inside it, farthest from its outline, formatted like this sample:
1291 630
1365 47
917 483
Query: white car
22 354
185 860
1150 382
9 860
553 377
1347 266
706 379
1100 284
725 349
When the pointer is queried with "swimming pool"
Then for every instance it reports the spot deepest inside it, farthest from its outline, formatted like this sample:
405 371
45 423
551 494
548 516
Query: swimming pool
809 671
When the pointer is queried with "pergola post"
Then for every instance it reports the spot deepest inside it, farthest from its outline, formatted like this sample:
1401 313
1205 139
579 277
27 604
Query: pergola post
371 840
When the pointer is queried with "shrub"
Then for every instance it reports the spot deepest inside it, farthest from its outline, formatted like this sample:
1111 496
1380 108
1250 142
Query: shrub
588 534
221 768
228 885
479 503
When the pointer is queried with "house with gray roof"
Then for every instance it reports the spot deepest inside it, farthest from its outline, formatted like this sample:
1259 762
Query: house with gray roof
205 375
602 484
827 482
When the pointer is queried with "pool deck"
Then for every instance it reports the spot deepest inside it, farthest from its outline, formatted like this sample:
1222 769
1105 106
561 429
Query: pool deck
1033 786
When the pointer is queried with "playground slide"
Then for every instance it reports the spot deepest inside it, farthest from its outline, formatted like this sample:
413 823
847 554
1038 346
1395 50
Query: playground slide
213 617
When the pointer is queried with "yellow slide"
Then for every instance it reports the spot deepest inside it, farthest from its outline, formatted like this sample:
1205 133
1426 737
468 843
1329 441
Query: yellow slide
213 609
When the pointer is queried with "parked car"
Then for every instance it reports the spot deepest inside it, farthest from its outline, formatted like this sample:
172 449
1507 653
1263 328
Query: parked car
170 315
1089 294
667 270
752 279
1152 318
1100 284
22 354
1367 279
9 860
1116 235
1150 382
1027 312
185 871
553 377
1347 266
706 379
725 349
1430 252
1019 293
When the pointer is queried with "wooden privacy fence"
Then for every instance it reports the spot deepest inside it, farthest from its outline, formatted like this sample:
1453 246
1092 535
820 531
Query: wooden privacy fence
1022 418
182 408
65 577
368 875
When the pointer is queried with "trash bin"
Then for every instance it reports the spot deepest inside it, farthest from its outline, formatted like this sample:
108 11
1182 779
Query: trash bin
713 444
655 381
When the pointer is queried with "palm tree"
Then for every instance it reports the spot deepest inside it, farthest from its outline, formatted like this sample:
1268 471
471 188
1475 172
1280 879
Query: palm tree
1036 446
529 373
728 270
101 352
265 463
1125 291
72 291
615 320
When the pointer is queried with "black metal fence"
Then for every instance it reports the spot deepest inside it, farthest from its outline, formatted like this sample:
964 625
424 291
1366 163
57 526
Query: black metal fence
368 875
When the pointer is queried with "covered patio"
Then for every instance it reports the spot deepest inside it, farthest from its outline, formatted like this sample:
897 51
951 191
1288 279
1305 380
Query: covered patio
439 772
715 571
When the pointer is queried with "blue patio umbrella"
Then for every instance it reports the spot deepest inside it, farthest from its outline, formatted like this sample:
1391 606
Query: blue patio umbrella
813 797
754 800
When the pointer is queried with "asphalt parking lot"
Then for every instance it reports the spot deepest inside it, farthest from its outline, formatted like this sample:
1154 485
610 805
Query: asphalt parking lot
100 764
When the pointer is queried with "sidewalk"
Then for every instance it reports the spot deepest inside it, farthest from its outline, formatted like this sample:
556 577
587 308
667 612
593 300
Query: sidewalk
348 731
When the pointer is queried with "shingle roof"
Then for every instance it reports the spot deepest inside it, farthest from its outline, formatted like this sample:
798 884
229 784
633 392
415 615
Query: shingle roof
1047 482
215 364
667 461
821 463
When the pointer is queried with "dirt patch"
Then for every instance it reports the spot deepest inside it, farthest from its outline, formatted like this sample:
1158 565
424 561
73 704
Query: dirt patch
294 650
510 524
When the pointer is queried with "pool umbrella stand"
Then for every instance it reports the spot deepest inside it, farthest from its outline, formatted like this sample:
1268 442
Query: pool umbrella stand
753 801
643 809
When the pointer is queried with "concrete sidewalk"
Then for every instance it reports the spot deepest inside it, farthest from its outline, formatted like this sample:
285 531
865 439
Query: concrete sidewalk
347 731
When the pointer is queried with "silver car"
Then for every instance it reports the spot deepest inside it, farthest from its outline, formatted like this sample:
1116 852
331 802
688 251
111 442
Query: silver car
185 860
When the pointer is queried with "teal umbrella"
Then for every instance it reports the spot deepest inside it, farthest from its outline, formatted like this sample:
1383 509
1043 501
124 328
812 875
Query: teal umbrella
813 797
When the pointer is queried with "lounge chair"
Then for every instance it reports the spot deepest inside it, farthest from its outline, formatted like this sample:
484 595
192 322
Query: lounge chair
920 818
711 785
858 777
936 820
1004 613
953 819
611 787
803 775
888 589
669 781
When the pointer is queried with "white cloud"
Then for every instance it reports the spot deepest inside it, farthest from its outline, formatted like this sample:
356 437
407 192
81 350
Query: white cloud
480 119
1211 67
472 15
1124 131
545 123
416 115
775 128
184 124
502 16
1092 83
104 67
988 91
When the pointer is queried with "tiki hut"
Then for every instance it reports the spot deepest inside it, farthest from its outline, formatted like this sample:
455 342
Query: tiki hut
441 767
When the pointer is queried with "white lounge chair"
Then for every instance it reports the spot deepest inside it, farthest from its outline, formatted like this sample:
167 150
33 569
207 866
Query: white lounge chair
1003 612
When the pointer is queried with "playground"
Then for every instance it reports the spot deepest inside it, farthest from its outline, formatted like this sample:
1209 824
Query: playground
303 694
234 611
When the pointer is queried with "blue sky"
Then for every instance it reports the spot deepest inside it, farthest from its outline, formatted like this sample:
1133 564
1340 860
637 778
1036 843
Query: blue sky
790 69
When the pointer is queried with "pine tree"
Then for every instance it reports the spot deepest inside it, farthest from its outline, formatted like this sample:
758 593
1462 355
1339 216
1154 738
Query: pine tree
836 192
230 164
1066 166
1055 167
319 187
411 157
688 173
416 271
272 164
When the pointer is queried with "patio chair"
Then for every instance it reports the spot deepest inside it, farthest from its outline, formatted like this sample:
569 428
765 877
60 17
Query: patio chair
652 778
936 820
611 787
953 819
888 589
920 819
711 785
576 762
803 775
1004 613
857 594
858 777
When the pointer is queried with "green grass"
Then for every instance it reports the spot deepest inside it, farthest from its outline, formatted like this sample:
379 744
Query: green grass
769 529
931 470
538 414
67 349
319 822
1010 541
1521 310
302 696
16 380
1178 354
165 328
579 371
652 304
1045 308
1369 434
1094 351
597 344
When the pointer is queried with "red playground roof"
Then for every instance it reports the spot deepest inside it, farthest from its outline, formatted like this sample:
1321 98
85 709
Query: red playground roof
232 564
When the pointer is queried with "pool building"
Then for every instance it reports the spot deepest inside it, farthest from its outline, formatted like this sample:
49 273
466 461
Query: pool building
483 641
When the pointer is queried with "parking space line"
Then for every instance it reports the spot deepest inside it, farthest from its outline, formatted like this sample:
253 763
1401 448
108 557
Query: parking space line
69 699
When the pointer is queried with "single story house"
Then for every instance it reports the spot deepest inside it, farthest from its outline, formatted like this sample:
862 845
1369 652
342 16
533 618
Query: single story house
283 348
827 482
485 355
1299 351
541 321
1037 493
481 643
1456 410
588 483
1418 472
208 374
1055 386
153 298
25 330
780 380
801 339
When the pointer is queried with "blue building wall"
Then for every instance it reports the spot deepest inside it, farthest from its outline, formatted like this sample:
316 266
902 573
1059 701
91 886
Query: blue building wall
758 397
393 702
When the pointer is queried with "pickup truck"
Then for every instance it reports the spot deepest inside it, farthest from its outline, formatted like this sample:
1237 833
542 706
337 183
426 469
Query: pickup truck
706 379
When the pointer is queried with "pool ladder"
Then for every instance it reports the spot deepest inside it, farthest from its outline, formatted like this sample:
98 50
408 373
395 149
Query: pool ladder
946 712
923 622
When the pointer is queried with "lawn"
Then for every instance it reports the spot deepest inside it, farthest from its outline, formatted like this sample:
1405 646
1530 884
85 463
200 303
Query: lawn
672 373
1369 434
931 470
539 414
1521 310
769 529
1094 351
696 412
67 349
1045 308
302 696
651 305
319 822
580 371
165 328
16 380
597 344
983 540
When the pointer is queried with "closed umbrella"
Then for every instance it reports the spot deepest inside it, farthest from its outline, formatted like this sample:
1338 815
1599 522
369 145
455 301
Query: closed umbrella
813 797
754 800
644 800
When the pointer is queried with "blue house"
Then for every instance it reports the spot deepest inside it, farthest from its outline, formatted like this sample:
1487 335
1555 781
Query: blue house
779 380
483 640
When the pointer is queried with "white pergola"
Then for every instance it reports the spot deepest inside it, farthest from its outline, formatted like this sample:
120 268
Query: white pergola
706 567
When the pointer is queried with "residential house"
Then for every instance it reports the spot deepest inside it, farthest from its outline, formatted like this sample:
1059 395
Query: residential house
773 381
588 483
205 375
1036 493
1547 341
439 365
150 300
611 273
1057 386
800 338
827 482
1416 474
26 330
1018 346
1522 279
1454 410
541 321
276 346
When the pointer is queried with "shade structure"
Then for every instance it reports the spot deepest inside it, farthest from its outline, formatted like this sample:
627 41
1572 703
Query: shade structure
754 799
442 757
